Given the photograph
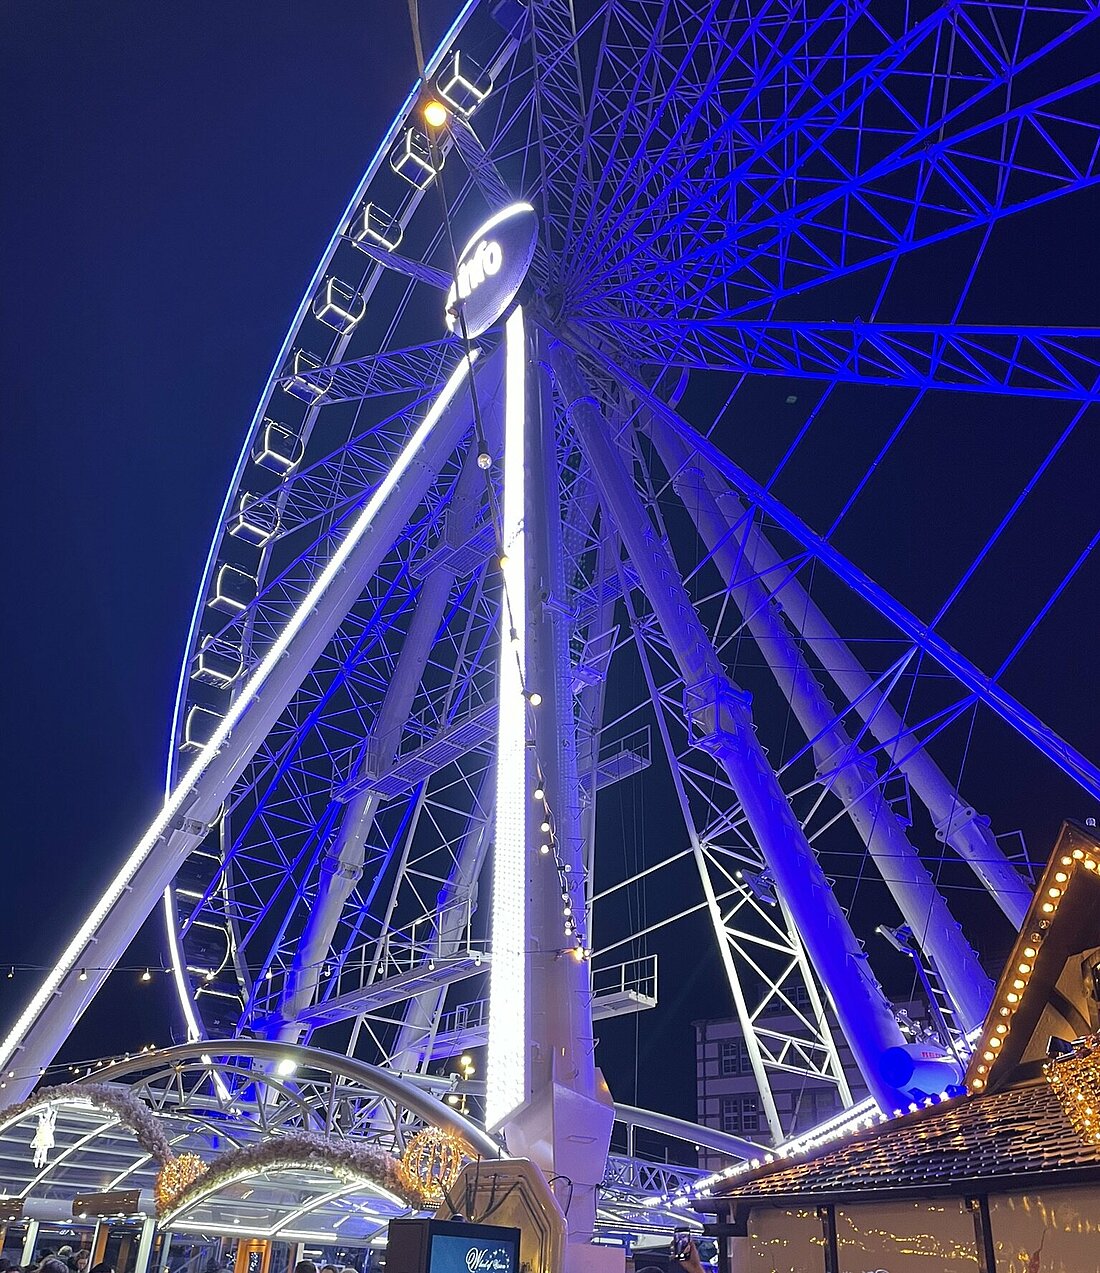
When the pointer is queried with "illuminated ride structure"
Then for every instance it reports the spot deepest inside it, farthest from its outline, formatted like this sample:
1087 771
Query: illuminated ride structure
714 520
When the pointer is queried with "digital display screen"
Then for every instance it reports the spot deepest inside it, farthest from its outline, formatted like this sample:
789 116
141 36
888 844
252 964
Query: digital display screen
465 1253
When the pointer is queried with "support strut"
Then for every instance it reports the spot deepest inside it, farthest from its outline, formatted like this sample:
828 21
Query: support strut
850 772
723 725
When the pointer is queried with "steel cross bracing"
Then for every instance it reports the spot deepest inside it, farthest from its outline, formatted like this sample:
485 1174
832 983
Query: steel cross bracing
807 158
1023 361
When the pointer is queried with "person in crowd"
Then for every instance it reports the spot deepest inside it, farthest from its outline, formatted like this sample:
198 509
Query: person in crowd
79 1261
689 1264
330 1268
51 1264
305 1266
104 1266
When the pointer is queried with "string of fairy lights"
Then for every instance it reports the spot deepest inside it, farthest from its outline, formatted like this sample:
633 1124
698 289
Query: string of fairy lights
570 879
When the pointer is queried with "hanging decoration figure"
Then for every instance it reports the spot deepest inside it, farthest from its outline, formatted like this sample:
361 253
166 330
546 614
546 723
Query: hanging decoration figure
43 1137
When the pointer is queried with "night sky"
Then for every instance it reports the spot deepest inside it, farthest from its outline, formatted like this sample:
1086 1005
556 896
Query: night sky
170 176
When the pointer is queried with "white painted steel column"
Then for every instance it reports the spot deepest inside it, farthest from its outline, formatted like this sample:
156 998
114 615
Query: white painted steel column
145 1245
26 1258
508 1078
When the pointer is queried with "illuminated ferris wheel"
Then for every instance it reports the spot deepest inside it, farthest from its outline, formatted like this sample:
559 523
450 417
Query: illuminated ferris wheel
689 521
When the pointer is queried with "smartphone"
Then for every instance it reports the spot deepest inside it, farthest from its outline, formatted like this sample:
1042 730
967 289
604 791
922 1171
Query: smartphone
681 1244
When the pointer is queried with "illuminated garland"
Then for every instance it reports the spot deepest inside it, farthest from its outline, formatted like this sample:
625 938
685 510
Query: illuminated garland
303 1151
1076 1082
176 1176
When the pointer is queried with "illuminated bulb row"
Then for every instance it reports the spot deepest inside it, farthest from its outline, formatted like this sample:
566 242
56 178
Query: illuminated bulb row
1014 993
859 1121
548 846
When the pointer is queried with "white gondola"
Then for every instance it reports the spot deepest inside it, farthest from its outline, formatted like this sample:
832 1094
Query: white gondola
278 447
412 159
234 590
199 727
463 84
218 662
256 520
298 380
375 227
339 306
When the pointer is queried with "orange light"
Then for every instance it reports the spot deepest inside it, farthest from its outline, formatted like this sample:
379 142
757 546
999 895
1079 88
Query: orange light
1090 864
1078 854
1029 952
435 114
994 1043
1060 877
1012 998
1054 892
1017 984
1047 908
1025 968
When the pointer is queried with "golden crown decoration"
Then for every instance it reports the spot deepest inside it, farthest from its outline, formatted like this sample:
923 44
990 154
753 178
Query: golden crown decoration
431 1162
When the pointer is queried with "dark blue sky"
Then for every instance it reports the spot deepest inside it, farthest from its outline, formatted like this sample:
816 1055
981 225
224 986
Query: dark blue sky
171 174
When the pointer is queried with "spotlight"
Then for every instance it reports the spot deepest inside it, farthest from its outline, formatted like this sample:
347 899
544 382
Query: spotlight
435 114
83 974
147 975
484 460
539 793
535 698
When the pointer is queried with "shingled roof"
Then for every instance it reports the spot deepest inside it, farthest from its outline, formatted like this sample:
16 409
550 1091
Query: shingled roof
962 1146
1011 1125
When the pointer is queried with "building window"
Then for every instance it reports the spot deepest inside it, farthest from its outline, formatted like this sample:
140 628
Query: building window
733 1058
740 1114
815 1104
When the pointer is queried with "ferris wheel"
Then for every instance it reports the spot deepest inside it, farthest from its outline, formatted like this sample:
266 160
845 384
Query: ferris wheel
767 374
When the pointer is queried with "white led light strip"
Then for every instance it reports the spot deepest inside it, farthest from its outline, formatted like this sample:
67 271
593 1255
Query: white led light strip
506 1080
186 785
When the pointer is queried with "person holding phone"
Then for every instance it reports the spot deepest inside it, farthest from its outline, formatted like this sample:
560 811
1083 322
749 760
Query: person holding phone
684 1252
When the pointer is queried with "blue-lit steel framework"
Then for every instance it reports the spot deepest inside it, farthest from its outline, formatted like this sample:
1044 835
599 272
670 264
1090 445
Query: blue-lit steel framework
727 194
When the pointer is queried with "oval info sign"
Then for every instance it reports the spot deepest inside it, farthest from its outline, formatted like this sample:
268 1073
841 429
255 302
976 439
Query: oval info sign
491 268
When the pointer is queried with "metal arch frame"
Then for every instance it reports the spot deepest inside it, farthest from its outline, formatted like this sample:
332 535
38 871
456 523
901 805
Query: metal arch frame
367 1078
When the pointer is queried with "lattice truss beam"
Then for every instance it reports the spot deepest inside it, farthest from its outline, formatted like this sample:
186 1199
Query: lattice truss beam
817 144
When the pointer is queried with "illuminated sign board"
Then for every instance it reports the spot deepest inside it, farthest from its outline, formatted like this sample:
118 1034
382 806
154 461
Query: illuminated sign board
491 268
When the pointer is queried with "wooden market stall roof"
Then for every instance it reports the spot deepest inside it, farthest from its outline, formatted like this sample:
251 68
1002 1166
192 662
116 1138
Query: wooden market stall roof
1011 1123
